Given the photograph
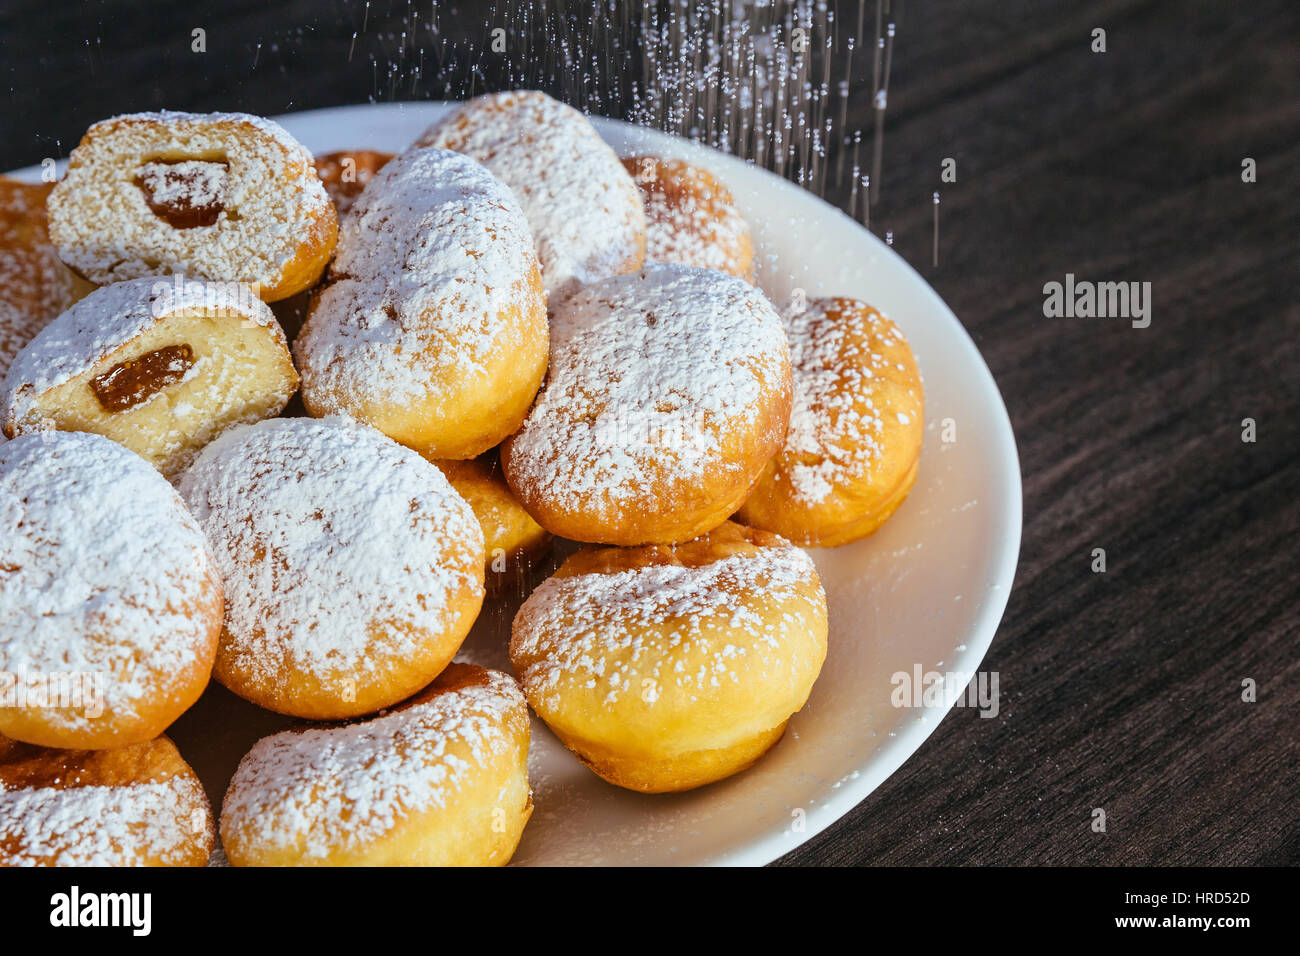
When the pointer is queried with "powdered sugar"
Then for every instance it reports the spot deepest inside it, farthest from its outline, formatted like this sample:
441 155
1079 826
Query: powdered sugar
583 209
101 569
647 370
630 630
433 260
843 364
100 826
324 790
322 529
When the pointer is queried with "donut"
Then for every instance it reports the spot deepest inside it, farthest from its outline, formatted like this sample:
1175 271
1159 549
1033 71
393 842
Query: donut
345 173
352 569
110 602
221 196
854 444
35 285
432 327
664 668
691 218
139 805
583 208
440 781
513 542
669 390
161 365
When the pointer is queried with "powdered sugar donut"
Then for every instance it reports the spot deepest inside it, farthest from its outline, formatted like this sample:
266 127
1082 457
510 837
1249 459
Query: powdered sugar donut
223 196
440 781
666 668
353 570
583 208
160 365
691 217
854 444
110 604
668 392
140 805
433 325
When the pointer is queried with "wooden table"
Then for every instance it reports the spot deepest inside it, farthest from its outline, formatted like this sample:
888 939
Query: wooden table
1121 690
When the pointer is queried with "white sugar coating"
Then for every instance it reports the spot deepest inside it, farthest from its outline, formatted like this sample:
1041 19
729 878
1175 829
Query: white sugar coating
616 630
273 201
583 208
101 568
189 182
108 319
431 257
836 422
324 790
690 218
647 369
98 826
321 529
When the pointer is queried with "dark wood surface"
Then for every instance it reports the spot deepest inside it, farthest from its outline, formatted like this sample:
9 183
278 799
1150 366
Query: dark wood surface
1121 690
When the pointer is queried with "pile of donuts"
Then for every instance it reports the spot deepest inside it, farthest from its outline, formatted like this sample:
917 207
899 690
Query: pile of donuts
286 422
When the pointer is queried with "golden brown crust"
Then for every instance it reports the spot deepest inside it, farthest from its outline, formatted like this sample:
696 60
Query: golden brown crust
345 173
691 217
513 542
852 453
139 805
669 667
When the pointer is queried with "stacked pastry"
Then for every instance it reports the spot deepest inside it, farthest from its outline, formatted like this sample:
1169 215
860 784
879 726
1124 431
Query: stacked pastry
503 336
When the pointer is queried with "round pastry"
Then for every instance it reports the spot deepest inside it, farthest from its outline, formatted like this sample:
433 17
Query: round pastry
440 781
851 454
162 366
668 392
691 218
345 173
353 570
666 668
513 542
221 196
110 604
140 805
35 285
582 207
432 327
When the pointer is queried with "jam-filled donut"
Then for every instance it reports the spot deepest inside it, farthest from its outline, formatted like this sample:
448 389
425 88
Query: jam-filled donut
139 805
110 602
161 365
440 781
669 390
582 206
691 217
222 196
345 173
666 668
513 542
432 327
35 285
851 455
353 570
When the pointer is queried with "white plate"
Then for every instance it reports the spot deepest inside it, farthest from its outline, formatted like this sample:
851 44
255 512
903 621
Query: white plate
928 589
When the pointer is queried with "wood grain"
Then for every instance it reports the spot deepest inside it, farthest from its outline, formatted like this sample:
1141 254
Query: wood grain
1121 690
